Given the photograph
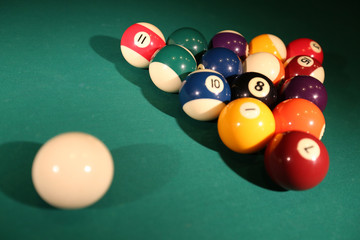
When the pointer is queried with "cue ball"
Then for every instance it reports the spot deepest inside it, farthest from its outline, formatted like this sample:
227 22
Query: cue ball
296 160
139 42
246 125
72 170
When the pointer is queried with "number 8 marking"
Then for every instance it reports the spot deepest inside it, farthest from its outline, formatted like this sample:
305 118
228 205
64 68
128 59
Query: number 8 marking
259 87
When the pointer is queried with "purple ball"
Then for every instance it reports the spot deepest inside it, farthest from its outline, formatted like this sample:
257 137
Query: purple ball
305 87
231 40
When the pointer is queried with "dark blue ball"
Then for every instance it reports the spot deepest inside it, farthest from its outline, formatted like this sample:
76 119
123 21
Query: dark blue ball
204 94
221 60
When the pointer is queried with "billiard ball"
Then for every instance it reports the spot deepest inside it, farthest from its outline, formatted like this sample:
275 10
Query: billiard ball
256 85
204 94
232 40
305 46
139 42
304 65
305 87
268 43
222 60
297 114
170 66
72 170
296 160
191 39
246 125
267 64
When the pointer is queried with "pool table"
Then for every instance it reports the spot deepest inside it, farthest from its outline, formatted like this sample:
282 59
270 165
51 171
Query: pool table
61 70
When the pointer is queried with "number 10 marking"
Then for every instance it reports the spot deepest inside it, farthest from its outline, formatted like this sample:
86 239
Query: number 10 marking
214 84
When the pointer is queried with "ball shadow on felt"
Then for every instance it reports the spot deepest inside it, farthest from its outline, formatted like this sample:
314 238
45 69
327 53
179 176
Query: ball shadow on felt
16 160
248 166
109 48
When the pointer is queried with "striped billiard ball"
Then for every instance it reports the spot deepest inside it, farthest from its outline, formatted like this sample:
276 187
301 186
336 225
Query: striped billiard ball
139 43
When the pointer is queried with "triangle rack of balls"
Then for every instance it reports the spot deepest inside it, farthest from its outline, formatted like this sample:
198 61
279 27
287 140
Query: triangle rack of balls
264 94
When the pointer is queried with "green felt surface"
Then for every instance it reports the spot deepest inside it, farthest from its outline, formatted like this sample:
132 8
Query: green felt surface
61 70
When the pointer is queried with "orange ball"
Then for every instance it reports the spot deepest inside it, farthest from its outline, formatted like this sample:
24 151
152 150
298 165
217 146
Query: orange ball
299 115
268 43
246 125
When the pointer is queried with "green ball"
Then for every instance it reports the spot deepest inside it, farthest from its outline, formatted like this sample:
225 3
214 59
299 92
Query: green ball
189 38
170 66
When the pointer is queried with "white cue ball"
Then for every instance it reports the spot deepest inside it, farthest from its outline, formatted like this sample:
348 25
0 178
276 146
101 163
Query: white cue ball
72 170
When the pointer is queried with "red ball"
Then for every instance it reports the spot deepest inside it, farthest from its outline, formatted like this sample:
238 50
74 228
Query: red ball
304 66
305 46
139 43
296 160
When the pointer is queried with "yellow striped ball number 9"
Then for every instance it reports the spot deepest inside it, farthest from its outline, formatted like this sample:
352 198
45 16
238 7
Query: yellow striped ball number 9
246 125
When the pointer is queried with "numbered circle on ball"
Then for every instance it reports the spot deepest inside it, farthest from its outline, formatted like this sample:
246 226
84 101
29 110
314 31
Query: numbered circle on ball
214 84
250 110
259 87
308 149
315 46
142 39
305 61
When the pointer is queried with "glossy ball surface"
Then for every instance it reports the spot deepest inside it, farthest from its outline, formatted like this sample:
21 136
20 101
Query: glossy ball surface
267 64
304 65
268 43
232 40
189 38
72 170
204 94
256 85
307 47
170 66
305 87
222 60
296 160
246 125
298 114
139 42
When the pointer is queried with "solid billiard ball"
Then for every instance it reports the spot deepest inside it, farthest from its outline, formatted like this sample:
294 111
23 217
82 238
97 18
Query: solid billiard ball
222 60
204 94
232 40
72 170
304 65
139 42
296 160
297 114
267 64
305 87
268 43
170 66
189 38
246 125
256 85
305 46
